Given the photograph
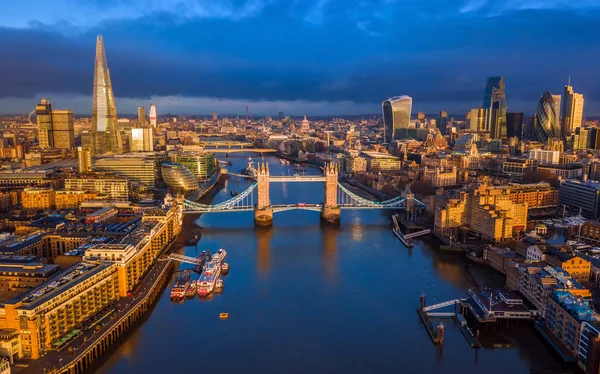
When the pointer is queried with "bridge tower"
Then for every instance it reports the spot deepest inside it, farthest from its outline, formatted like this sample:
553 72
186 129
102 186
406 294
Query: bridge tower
331 210
263 213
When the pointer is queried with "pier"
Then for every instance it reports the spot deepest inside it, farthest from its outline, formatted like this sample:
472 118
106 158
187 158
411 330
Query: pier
437 334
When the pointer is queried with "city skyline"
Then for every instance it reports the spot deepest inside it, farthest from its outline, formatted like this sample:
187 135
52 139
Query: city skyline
297 72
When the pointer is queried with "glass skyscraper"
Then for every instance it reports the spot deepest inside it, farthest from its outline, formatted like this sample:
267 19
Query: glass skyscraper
494 101
572 112
545 122
514 125
106 137
396 117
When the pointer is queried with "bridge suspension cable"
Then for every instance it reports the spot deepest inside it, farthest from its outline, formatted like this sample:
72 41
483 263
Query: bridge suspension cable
242 201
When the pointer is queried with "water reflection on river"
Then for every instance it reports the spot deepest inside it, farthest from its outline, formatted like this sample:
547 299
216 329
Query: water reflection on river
304 297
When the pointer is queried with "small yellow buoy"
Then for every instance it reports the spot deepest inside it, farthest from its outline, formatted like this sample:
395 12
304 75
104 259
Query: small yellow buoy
224 315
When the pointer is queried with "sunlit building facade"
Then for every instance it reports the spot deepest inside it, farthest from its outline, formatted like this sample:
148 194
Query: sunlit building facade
202 165
494 102
179 177
546 120
572 112
106 137
396 117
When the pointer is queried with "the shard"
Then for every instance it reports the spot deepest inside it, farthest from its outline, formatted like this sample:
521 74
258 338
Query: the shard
106 137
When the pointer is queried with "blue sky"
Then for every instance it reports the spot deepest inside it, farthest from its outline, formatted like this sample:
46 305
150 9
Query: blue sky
298 56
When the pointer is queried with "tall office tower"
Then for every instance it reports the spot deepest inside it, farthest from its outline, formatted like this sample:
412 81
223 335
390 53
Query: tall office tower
545 122
514 124
153 115
84 160
281 115
421 116
106 136
142 116
572 111
142 140
62 129
594 138
495 102
215 116
396 117
43 112
477 119
579 138
247 113
443 122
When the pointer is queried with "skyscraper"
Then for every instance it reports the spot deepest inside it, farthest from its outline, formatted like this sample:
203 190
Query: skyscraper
545 121
443 122
477 119
153 115
572 111
142 140
63 129
142 116
494 101
43 113
514 125
396 117
106 136
215 116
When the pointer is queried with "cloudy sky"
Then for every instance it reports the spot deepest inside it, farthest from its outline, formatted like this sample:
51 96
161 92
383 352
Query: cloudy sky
297 56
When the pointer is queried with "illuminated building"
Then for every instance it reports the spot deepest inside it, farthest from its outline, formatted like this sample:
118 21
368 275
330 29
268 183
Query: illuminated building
43 113
19 274
179 177
38 198
202 165
572 111
46 313
440 177
564 315
141 140
141 112
106 137
546 123
545 156
396 118
110 185
71 199
488 212
62 129
494 102
477 119
153 116
138 168
84 160
381 161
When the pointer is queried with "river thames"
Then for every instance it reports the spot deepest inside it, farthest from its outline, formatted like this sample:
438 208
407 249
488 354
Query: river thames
309 298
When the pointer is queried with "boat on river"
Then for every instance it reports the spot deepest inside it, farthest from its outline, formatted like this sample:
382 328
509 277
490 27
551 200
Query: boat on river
182 283
225 268
191 291
208 279
219 256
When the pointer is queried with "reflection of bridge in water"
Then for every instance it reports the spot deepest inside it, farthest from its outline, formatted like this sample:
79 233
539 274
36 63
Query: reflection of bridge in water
337 197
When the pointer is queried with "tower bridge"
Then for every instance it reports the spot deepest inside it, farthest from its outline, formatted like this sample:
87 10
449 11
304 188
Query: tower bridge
256 198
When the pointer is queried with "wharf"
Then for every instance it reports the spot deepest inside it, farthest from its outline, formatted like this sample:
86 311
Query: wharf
466 331
436 337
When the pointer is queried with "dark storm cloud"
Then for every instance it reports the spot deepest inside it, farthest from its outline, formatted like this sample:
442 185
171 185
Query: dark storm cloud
315 51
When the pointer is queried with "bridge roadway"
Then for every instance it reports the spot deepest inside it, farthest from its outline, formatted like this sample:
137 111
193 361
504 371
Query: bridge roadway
287 207
239 150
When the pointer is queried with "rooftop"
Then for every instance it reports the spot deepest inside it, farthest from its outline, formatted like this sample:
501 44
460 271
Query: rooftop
64 281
